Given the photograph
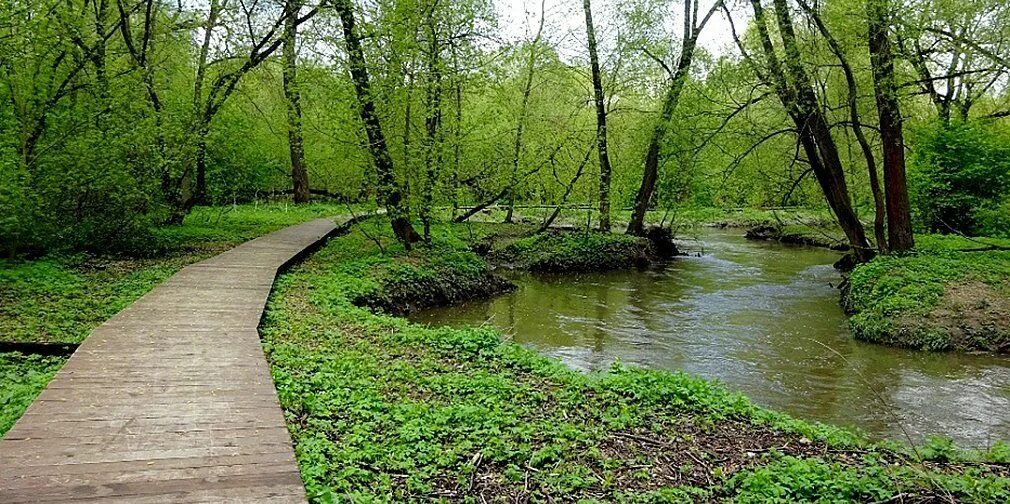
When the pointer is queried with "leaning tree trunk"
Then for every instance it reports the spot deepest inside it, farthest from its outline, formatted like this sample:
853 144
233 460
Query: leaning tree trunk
899 216
389 192
798 97
651 173
601 120
299 173
527 89
879 227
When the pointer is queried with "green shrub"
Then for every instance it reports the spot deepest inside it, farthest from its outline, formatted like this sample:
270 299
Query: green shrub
960 175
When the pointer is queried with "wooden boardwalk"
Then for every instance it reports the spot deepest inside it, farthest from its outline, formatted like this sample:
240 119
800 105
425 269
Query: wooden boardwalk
171 400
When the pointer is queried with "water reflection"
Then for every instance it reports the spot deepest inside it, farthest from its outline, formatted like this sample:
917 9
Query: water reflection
764 319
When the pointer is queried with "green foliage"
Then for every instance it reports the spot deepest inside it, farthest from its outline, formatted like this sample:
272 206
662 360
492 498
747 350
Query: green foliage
382 409
892 296
22 377
791 479
961 175
579 251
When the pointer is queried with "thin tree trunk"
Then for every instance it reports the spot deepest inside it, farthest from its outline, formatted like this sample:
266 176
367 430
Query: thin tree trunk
457 148
199 193
650 175
568 192
432 123
527 89
899 216
389 192
299 172
601 120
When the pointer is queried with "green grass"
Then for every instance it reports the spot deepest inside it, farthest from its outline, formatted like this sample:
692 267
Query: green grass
383 410
60 299
22 377
894 298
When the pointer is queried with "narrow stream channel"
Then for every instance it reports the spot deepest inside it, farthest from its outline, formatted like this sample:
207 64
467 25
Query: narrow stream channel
755 316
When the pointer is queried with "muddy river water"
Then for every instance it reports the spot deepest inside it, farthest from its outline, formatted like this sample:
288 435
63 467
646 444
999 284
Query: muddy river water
760 318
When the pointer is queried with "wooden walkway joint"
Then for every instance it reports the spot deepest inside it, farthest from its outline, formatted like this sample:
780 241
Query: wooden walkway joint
171 400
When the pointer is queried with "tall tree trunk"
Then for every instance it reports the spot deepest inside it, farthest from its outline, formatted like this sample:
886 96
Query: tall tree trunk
432 124
457 147
99 57
199 193
689 42
299 172
879 216
601 120
389 192
798 97
899 216
527 89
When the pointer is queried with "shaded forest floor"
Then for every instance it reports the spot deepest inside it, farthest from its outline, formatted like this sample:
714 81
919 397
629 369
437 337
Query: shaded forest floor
383 409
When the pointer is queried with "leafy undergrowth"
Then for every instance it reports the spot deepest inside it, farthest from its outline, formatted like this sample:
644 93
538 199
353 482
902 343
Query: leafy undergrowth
577 251
938 298
22 377
60 299
443 273
383 410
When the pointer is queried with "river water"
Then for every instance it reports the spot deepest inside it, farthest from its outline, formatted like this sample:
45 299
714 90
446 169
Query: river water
762 318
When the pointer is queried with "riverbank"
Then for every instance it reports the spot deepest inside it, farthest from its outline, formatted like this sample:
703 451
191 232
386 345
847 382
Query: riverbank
49 305
381 408
950 294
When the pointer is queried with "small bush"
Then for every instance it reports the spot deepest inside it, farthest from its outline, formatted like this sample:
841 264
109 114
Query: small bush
960 175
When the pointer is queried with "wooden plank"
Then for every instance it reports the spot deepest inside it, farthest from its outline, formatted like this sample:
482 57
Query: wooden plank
170 400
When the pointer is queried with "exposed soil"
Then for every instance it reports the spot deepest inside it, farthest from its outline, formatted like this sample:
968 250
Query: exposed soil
688 453
970 316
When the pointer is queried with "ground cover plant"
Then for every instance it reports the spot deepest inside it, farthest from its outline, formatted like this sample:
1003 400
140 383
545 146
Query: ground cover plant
952 293
60 298
22 377
577 251
381 409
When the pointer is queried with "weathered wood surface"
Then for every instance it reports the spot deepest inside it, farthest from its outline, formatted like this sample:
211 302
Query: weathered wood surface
171 400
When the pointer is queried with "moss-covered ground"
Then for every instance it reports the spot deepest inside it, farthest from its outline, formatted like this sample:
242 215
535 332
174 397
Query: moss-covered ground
383 410
950 294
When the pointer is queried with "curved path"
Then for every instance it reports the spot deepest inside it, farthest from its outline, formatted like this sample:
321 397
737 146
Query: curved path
171 400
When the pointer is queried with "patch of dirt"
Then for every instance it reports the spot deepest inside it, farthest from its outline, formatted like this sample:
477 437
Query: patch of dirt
694 454
973 315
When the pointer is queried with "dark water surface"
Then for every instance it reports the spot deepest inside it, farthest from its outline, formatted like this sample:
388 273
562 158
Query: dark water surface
755 316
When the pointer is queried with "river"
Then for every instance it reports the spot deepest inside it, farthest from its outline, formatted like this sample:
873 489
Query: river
762 318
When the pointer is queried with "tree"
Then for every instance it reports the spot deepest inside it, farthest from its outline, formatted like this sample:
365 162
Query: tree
389 191
792 84
601 120
299 172
531 61
693 27
899 216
